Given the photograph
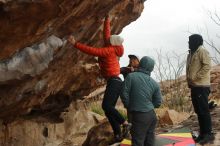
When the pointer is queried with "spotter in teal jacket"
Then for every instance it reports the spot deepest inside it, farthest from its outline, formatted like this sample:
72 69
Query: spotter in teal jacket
140 92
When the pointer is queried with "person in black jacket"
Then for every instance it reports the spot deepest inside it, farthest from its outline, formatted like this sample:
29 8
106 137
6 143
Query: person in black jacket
132 66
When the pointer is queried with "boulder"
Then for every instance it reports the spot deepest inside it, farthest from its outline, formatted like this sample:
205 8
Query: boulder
71 131
100 135
172 117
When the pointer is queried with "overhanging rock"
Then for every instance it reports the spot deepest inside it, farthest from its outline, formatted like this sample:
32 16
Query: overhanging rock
39 72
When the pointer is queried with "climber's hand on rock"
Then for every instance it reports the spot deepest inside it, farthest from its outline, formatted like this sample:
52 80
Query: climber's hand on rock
72 40
100 20
107 16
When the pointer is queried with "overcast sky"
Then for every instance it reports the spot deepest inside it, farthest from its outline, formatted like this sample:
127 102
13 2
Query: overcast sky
164 25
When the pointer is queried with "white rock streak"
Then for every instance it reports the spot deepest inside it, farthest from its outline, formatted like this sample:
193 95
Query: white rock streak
31 60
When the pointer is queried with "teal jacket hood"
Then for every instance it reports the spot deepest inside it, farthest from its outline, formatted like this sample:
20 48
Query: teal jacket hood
146 65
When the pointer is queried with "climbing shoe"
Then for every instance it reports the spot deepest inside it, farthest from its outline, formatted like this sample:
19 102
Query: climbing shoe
126 130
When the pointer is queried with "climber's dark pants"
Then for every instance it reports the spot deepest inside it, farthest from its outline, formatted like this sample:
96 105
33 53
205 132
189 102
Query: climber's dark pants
199 97
112 93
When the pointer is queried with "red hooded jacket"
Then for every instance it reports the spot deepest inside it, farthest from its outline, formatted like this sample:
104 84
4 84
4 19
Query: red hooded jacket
108 56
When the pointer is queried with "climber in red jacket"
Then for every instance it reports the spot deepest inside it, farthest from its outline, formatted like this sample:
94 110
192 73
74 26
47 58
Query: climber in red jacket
108 58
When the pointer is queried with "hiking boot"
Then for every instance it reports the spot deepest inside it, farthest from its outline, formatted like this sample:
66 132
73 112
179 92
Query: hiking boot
207 138
198 139
126 130
116 140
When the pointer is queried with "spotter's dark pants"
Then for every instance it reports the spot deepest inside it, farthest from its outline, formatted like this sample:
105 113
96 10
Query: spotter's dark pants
143 127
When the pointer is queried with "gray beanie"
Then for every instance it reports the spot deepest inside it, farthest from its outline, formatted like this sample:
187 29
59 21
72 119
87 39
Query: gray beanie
116 40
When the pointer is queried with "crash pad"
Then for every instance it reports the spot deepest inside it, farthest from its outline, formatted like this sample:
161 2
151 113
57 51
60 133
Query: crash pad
177 137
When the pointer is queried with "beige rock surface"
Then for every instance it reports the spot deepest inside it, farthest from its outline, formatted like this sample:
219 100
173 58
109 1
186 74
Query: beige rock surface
172 117
72 131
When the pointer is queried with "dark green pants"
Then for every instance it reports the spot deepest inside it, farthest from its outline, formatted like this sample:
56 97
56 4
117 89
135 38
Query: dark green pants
143 127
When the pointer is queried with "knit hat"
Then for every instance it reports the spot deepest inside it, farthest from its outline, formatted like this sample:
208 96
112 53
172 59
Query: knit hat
116 40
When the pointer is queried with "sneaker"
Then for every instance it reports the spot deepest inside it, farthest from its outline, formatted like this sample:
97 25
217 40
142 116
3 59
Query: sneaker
126 130
207 138
194 134
198 139
116 140
212 105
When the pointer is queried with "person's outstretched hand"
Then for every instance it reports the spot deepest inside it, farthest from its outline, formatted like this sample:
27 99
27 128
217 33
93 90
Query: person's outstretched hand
107 16
72 40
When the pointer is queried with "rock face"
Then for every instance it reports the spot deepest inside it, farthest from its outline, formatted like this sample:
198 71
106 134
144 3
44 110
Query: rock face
76 122
41 73
215 82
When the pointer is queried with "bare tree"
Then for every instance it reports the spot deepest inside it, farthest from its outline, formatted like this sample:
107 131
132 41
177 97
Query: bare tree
210 40
214 16
169 71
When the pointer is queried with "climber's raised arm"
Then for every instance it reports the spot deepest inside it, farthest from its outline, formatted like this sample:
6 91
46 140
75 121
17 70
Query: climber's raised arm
107 31
100 52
